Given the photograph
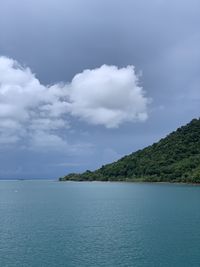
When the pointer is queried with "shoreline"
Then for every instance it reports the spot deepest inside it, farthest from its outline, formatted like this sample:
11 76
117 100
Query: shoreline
132 182
98 181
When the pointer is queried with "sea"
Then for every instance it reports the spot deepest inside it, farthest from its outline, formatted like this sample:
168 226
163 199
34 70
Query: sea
98 224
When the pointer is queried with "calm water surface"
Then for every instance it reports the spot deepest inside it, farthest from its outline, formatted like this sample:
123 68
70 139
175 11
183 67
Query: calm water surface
47 223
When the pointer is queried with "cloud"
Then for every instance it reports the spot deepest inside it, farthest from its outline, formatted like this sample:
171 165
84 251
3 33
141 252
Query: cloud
28 109
108 96
38 113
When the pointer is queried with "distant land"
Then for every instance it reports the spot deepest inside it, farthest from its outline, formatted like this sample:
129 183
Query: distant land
175 158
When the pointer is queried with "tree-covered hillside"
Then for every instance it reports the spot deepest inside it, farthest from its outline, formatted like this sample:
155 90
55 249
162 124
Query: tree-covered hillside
175 158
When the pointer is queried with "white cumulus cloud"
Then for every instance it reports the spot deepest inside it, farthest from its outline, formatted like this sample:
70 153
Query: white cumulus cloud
29 109
108 96
35 112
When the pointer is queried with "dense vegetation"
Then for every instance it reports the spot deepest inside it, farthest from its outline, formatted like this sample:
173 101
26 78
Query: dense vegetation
175 158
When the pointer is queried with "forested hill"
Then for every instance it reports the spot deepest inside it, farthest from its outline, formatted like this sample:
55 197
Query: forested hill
175 158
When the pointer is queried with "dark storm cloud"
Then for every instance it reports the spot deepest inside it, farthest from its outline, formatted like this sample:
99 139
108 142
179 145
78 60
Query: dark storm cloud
58 39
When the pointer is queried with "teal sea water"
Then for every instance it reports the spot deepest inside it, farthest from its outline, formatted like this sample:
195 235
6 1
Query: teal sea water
50 224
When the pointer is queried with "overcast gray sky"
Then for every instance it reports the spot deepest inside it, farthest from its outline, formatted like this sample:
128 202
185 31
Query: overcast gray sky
84 82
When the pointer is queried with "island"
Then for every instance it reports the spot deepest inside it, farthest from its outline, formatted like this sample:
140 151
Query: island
175 158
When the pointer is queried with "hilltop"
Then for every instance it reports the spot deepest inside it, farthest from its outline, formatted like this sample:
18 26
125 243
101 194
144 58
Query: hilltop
175 158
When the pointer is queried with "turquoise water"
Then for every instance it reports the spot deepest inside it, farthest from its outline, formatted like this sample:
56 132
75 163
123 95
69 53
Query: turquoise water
47 223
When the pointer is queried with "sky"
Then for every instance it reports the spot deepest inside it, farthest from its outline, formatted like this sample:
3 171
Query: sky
85 82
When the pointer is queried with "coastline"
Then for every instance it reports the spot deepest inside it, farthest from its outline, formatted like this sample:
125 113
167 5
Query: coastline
131 181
